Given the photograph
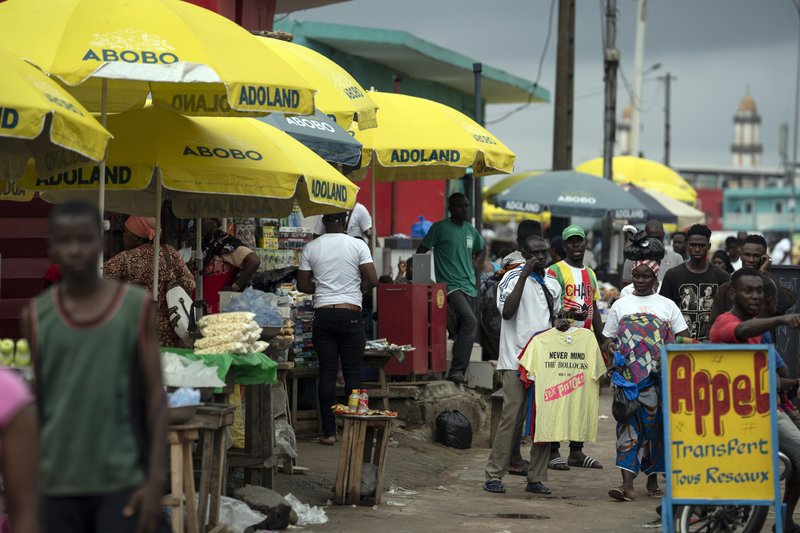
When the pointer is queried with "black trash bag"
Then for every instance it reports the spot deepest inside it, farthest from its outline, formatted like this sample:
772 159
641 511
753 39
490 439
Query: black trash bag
454 430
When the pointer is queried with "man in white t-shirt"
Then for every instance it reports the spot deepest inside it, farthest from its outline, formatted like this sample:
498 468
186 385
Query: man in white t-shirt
782 252
337 269
359 224
528 301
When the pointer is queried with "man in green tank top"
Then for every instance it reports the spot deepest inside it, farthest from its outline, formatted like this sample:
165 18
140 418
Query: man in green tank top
100 396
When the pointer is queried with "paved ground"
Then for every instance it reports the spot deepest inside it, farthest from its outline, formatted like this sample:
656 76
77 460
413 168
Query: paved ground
449 496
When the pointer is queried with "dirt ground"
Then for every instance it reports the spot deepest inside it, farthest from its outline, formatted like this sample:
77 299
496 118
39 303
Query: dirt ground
449 495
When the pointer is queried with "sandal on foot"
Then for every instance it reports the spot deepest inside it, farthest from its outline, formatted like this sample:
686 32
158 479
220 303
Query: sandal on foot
518 472
586 462
617 493
655 493
557 464
328 441
537 487
494 486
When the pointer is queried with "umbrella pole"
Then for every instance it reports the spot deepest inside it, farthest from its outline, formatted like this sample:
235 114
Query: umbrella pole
157 239
374 235
198 258
101 204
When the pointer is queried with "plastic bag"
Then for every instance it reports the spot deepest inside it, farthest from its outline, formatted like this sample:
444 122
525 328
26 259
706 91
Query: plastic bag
183 396
179 371
237 516
454 430
263 304
306 515
284 437
369 479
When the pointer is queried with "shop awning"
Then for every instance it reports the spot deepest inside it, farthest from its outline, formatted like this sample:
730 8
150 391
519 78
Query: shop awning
408 54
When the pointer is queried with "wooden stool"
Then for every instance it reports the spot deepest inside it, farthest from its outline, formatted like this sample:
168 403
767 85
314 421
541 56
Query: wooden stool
364 440
305 421
214 421
180 440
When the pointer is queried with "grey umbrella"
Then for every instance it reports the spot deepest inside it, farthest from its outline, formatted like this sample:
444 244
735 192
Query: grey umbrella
569 193
321 134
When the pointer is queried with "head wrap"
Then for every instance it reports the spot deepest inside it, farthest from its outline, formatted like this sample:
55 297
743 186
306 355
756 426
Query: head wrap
652 264
144 227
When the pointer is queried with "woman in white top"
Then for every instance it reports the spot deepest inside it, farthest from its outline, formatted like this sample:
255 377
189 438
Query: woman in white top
635 329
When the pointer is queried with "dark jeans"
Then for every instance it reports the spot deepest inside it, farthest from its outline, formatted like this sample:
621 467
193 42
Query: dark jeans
338 335
90 514
467 328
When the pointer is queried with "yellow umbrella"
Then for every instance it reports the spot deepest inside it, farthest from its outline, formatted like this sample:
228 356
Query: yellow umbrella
187 57
494 214
11 192
338 93
203 162
39 119
419 139
645 174
207 166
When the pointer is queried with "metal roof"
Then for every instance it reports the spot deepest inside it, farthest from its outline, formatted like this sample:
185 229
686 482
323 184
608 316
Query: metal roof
420 59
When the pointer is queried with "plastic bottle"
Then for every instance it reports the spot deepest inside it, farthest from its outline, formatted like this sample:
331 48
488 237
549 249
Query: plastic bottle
6 352
353 402
363 402
23 355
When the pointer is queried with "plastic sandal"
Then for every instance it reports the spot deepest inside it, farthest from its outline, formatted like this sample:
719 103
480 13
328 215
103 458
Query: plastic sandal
494 486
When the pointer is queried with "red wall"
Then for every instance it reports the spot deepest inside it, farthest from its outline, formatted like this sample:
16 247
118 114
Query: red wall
710 202
252 14
412 198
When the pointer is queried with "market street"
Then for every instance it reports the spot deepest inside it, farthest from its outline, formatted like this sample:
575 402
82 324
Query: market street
450 498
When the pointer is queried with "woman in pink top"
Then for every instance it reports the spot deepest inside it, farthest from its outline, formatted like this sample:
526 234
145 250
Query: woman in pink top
19 456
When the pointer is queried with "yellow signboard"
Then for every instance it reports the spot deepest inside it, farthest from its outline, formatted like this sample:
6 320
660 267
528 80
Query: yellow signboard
720 432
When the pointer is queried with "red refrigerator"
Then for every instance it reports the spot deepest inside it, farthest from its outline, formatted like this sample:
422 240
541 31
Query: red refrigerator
414 314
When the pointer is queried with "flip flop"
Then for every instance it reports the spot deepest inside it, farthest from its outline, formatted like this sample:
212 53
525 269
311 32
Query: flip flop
558 464
494 486
587 462
618 494
657 493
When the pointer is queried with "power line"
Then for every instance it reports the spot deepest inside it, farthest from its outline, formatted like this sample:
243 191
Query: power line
538 71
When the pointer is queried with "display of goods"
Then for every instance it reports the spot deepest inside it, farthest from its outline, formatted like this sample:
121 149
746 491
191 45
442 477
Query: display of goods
221 318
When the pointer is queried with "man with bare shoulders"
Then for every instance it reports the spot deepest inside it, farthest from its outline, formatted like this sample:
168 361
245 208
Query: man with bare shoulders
98 387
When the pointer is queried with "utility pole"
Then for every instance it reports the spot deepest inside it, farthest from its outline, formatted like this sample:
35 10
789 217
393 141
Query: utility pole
564 97
667 84
565 81
638 73
477 192
610 64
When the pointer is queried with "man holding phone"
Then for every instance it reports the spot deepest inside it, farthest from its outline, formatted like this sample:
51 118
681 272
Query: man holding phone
753 255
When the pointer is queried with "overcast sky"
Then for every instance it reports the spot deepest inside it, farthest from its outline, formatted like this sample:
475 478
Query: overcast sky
715 48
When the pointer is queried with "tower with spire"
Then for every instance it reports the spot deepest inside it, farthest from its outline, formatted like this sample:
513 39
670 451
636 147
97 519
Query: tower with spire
746 148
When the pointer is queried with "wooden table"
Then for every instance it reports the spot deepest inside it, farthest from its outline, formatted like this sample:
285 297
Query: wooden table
304 421
365 439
